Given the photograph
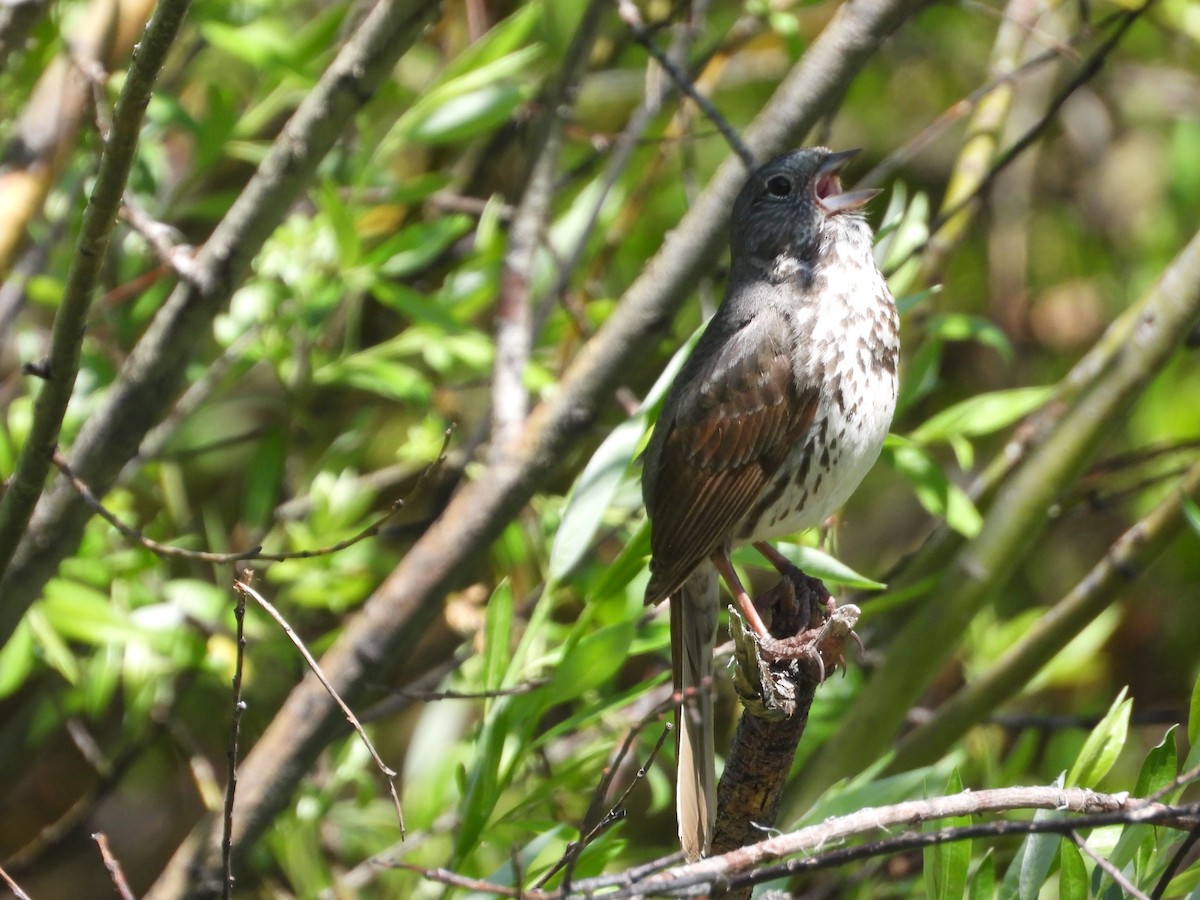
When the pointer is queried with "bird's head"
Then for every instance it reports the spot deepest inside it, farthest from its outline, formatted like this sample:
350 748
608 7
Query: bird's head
787 203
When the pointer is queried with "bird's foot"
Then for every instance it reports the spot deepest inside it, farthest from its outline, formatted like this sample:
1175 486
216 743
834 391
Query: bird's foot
798 602
771 673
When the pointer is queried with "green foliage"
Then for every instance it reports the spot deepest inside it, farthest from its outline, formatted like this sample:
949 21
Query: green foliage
320 392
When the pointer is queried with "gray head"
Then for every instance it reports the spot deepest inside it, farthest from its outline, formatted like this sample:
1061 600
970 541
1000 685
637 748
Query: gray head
785 203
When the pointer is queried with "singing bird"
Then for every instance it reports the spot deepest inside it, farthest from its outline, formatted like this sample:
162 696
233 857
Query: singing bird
778 414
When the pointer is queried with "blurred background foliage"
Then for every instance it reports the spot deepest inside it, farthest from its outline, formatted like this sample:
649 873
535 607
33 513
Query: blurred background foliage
365 330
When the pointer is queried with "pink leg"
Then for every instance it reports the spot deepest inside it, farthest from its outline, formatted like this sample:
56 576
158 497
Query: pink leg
720 559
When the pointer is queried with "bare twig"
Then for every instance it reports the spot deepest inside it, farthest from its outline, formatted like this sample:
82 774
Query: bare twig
235 728
809 845
748 865
160 236
113 865
389 774
1112 871
428 696
615 813
685 84
254 553
12 885
171 552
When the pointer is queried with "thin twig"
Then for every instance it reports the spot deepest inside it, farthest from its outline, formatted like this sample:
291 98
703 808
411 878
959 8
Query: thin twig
615 813
1112 871
685 84
445 876
12 885
1091 65
428 696
254 553
161 237
33 464
745 866
113 865
235 728
169 551
1177 858
388 773
1187 843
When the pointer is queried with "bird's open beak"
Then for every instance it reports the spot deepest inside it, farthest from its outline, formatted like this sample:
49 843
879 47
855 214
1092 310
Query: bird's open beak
829 186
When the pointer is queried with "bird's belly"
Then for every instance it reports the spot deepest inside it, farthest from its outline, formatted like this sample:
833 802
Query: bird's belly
821 472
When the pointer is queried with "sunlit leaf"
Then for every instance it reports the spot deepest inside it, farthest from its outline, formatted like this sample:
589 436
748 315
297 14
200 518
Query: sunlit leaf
812 561
1072 875
1103 745
945 865
981 414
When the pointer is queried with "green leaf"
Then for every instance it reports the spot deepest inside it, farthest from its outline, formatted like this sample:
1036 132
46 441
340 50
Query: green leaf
630 563
590 661
983 883
54 649
80 613
959 327
369 371
1039 851
814 562
1191 512
496 635
263 479
1072 874
17 659
981 414
1158 770
1103 745
933 489
1193 730
458 106
592 494
946 865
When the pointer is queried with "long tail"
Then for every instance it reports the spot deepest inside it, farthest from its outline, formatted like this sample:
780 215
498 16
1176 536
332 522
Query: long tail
695 610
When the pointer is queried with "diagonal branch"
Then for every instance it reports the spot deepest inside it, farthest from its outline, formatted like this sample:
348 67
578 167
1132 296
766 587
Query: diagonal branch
1133 551
99 216
514 324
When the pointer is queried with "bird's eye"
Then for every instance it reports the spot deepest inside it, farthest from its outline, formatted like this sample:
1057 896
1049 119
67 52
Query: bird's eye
779 186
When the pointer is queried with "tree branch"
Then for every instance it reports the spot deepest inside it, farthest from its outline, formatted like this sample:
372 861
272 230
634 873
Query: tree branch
99 216
1132 552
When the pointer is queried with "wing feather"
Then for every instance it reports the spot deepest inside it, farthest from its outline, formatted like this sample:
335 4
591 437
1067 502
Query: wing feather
737 414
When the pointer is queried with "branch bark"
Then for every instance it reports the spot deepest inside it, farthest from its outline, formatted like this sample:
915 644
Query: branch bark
1095 808
99 217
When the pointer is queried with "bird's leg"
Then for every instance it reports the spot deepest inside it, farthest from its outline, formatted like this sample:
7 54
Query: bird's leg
720 559
810 593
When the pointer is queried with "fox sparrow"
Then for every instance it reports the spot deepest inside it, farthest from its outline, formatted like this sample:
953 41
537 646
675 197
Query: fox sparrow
774 420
